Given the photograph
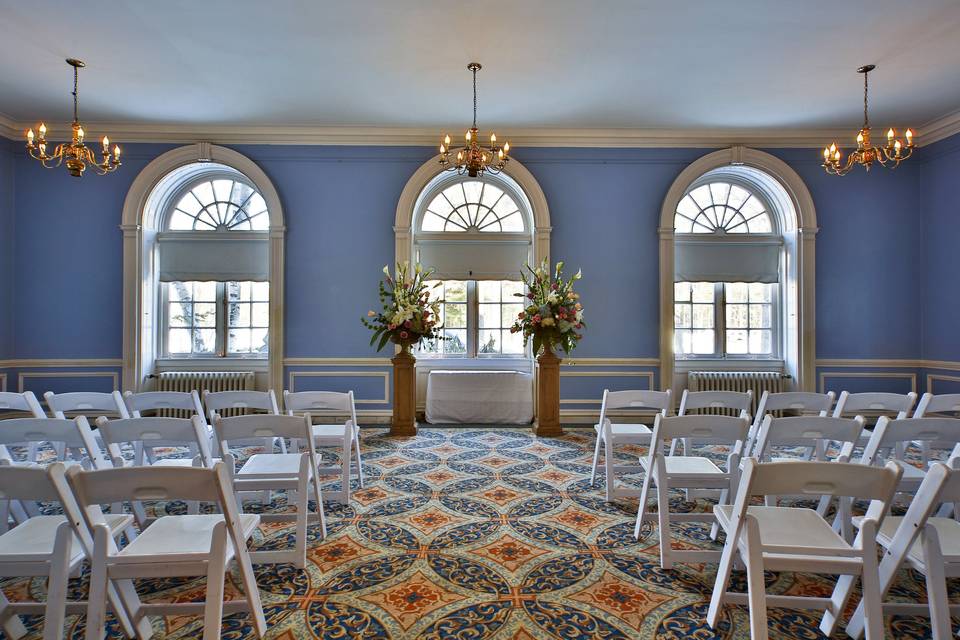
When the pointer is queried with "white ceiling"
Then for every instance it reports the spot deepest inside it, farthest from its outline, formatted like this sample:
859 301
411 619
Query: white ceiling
693 64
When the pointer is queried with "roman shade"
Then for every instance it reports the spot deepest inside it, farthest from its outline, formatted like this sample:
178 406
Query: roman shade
474 259
711 260
211 256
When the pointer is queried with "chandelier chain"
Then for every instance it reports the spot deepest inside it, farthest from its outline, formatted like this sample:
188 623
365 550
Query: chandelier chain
76 83
474 98
866 118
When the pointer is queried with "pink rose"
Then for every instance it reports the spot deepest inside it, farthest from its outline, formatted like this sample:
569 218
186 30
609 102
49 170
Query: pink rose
404 335
554 286
536 319
391 326
407 324
530 295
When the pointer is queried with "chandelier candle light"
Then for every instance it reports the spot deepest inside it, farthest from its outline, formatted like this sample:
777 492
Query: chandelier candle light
474 158
895 151
75 153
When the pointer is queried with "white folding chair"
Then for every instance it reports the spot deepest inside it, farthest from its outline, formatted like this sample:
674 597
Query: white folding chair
947 404
266 471
931 433
875 404
218 401
47 546
796 539
157 432
73 438
712 402
610 434
173 546
89 404
799 402
928 544
155 401
345 436
25 402
689 472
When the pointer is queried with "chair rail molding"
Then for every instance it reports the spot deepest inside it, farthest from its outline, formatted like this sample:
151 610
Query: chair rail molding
804 227
139 226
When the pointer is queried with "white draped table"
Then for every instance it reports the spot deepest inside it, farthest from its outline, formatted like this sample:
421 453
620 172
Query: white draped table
479 397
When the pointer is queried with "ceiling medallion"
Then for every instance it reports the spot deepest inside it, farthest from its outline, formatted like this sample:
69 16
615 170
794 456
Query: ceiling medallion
474 159
76 154
895 151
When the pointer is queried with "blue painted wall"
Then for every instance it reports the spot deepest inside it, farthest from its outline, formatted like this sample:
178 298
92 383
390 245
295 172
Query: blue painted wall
941 266
340 204
6 248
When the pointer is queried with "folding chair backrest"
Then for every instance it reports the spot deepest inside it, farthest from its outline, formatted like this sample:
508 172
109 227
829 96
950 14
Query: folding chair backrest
635 401
261 426
815 479
807 431
156 432
715 401
137 403
26 483
320 403
935 433
702 429
945 403
74 434
87 403
110 486
218 401
25 401
890 403
804 402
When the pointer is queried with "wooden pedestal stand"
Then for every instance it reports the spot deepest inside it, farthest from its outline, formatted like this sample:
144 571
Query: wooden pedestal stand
404 394
547 423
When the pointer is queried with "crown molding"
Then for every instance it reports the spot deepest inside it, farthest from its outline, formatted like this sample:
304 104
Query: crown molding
306 134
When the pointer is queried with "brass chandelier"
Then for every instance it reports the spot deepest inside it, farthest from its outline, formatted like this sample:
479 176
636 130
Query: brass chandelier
895 151
75 153
474 159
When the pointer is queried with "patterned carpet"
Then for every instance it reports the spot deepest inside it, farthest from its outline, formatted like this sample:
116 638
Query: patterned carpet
489 534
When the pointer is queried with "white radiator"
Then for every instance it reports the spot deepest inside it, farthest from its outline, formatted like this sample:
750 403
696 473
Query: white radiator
756 381
203 381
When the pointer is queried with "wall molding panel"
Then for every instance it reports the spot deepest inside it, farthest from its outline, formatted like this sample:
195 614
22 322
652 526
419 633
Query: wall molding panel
934 377
385 375
23 376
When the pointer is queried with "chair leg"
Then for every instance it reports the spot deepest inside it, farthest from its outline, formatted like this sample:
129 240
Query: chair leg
642 508
303 513
663 523
608 463
723 578
97 598
596 457
251 591
756 589
12 624
356 445
216 572
318 495
936 585
870 583
345 450
56 609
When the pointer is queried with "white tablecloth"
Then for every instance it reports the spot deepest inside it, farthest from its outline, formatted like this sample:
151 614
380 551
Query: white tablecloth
479 397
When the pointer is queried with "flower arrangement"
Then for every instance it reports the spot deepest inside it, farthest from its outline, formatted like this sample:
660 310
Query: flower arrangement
554 315
408 315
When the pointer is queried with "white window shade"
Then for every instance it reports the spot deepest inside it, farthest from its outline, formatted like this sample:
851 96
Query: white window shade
210 256
474 259
708 260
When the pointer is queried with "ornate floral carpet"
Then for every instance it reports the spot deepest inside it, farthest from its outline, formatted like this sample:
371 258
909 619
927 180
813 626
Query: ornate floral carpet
489 534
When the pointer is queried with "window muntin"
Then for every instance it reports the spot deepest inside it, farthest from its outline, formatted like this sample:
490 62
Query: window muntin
477 316
735 320
720 208
472 205
219 204
215 319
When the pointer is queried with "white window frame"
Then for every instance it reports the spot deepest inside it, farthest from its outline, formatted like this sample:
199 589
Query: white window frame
720 331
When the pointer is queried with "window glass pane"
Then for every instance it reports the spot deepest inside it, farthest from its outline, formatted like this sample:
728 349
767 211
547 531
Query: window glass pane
720 207
261 314
701 196
719 192
761 342
455 291
509 314
178 341
760 224
205 291
204 340
489 290
736 291
432 222
702 291
512 342
737 316
760 316
512 222
702 342
489 316
682 315
682 341
489 341
681 291
761 292
455 316
260 291
737 342
238 341
703 316
510 289
456 342
259 341
205 314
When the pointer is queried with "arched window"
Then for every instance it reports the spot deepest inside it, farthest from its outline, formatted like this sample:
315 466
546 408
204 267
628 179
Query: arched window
477 235
727 290
213 265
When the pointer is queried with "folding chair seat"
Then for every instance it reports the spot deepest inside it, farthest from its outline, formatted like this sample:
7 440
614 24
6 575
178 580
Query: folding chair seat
635 405
799 403
689 472
47 546
265 471
926 543
795 539
345 436
174 546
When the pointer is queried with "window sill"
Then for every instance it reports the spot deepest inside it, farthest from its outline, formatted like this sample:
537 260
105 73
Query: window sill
682 365
478 364
212 364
